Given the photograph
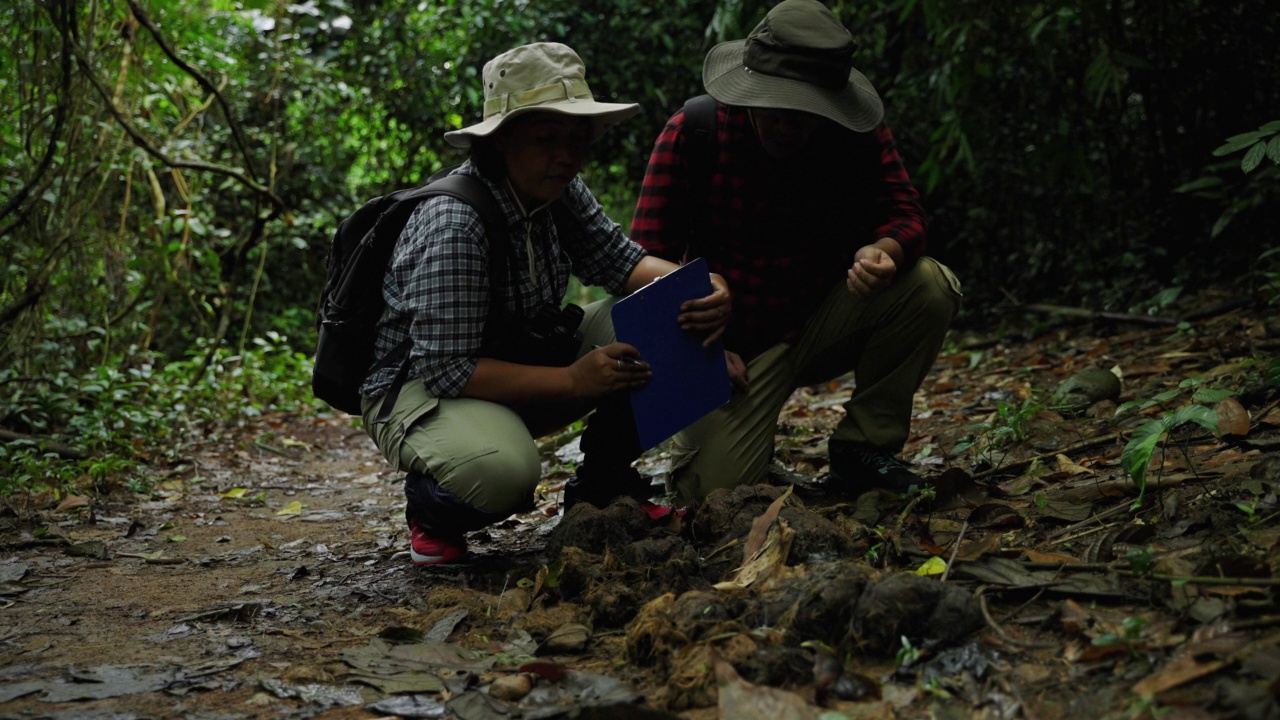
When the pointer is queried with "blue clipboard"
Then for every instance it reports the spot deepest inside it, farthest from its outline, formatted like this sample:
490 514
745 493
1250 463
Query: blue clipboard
689 380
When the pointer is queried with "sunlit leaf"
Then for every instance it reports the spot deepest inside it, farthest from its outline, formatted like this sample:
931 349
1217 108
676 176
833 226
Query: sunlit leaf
933 566
293 508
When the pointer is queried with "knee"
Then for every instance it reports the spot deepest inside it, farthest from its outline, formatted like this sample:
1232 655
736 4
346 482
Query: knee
502 481
937 293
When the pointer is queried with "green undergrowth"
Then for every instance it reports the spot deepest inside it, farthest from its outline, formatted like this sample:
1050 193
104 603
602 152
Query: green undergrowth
106 428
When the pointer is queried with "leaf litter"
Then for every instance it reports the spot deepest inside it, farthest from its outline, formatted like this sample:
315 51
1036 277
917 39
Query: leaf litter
1030 584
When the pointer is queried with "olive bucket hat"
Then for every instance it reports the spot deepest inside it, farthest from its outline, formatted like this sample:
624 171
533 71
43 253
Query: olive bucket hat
542 77
798 58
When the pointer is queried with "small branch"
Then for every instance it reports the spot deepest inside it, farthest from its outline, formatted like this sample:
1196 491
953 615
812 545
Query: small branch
1203 580
955 550
980 593
1098 314
1027 462
559 440
59 115
65 451
1092 519
142 18
141 141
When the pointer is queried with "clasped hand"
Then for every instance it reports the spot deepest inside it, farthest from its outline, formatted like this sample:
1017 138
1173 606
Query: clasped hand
873 270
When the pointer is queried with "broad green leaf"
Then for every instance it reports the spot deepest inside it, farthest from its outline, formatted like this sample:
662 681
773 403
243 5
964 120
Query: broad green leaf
1235 143
234 493
1212 395
1127 406
1200 184
1199 414
293 508
1272 375
1137 453
1253 158
1271 127
1273 149
1223 221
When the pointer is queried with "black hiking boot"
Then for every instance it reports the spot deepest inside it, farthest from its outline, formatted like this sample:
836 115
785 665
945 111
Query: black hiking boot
857 468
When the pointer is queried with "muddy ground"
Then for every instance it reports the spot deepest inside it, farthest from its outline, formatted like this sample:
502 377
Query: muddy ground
266 576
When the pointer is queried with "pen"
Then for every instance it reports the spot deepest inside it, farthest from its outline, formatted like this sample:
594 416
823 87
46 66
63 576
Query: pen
625 358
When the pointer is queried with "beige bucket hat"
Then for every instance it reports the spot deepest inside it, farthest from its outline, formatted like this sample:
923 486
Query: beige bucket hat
798 58
541 77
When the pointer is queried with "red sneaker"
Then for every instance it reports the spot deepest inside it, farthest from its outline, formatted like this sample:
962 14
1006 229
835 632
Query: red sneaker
427 550
657 512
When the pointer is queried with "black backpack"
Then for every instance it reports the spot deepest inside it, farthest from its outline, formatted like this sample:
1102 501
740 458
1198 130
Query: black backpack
702 153
700 121
352 303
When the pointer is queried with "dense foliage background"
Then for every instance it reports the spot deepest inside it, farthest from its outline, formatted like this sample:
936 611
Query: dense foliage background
171 171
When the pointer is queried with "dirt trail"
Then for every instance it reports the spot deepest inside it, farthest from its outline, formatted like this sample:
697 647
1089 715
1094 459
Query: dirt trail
266 576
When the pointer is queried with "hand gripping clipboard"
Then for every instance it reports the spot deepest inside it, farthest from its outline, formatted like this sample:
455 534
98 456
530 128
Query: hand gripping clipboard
689 380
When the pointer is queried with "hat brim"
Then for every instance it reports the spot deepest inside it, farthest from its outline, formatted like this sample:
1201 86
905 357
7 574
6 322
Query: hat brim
602 114
856 106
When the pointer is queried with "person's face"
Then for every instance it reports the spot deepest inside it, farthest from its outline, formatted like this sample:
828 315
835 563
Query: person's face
544 152
784 133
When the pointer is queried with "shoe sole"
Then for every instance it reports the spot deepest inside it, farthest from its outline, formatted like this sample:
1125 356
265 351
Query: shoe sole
421 560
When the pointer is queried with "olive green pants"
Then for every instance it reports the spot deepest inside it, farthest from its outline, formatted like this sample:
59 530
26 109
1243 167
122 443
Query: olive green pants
889 342
483 453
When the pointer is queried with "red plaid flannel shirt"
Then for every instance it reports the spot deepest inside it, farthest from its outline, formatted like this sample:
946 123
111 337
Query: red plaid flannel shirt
781 233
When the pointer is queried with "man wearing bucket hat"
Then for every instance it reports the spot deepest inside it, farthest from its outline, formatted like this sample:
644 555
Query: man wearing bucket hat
463 425
799 198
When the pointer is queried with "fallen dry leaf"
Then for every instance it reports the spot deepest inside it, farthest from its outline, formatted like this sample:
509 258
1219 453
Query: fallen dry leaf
740 700
1233 419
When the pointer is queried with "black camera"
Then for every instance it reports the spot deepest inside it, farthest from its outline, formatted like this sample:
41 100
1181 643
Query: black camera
550 338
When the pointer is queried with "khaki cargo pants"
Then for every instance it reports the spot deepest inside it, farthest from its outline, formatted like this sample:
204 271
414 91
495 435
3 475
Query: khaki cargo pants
483 453
889 342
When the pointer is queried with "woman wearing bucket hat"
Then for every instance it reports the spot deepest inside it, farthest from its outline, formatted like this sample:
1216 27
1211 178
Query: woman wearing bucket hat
793 189
463 426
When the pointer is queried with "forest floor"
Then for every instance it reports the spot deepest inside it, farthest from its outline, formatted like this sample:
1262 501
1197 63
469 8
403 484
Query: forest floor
266 575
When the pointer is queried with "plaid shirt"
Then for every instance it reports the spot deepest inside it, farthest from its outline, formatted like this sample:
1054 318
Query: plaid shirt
437 286
782 233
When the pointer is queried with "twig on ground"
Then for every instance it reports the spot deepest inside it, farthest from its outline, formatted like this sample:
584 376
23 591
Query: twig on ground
1026 462
1266 410
955 550
1086 533
1099 517
554 442
980 593
1255 623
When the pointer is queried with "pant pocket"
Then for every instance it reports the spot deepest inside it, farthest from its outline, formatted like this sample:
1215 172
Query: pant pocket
412 407
952 280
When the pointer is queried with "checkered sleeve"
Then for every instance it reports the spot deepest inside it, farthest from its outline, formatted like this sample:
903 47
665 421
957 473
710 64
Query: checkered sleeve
600 252
437 293
904 218
660 223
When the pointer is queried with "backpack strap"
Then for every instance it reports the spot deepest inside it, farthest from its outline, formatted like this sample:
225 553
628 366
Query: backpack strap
474 192
701 153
